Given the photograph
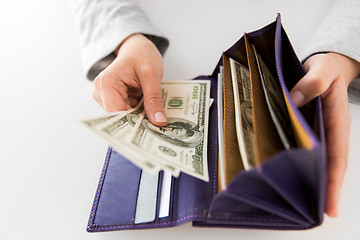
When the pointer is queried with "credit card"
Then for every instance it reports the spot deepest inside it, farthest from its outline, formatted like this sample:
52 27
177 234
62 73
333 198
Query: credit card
164 208
147 198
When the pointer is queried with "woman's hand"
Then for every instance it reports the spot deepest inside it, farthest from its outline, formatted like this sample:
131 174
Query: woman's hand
137 70
328 75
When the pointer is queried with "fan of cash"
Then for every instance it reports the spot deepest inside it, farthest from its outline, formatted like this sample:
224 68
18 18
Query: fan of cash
179 146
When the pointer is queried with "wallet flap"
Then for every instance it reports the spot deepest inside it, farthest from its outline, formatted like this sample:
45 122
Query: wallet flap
250 188
293 174
290 71
309 119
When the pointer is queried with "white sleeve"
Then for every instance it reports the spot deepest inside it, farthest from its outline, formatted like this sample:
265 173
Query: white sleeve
340 33
103 25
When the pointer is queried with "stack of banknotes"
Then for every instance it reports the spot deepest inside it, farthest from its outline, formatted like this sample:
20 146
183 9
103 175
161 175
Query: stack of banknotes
180 146
240 80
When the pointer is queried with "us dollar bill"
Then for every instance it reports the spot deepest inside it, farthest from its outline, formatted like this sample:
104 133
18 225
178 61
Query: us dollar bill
220 115
243 112
117 128
276 103
182 143
96 121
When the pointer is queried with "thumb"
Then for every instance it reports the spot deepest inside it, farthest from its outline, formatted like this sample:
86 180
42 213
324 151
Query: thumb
321 73
150 80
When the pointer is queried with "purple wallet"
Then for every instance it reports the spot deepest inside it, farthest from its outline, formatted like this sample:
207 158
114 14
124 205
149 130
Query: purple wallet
285 192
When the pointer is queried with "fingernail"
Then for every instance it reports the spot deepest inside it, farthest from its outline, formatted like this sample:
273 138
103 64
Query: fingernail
297 97
160 117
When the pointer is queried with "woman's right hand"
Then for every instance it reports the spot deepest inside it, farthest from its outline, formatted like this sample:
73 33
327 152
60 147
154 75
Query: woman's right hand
136 71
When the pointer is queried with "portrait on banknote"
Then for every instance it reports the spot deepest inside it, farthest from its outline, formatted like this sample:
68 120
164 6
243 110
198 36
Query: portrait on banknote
178 131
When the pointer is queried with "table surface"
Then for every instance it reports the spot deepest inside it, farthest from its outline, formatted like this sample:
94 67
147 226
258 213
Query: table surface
50 164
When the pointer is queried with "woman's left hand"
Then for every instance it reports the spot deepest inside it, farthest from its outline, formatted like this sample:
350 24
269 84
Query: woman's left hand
328 75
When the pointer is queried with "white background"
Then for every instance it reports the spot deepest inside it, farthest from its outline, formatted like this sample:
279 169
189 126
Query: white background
50 164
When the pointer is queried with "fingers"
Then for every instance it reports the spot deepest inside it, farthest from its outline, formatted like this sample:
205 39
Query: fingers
328 75
149 71
317 80
116 93
337 126
138 65
150 78
111 93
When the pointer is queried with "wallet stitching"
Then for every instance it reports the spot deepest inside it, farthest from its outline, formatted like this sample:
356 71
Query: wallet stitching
302 71
99 189
274 221
264 203
150 225
215 157
298 64
300 67
295 58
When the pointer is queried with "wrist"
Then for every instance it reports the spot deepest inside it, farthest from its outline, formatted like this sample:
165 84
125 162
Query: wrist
350 68
131 38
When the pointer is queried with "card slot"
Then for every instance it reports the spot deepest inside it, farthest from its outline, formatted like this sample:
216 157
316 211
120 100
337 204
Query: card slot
171 218
293 72
154 199
232 158
266 138
191 197
147 198
165 193
238 53
285 57
159 195
279 56
292 68
117 207
265 46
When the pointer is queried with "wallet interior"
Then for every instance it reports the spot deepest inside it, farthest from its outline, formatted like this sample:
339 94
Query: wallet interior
267 141
288 184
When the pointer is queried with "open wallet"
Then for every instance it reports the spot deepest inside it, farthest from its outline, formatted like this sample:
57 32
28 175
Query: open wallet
282 187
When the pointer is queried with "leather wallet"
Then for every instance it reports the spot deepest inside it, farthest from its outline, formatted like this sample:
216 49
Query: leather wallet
285 191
